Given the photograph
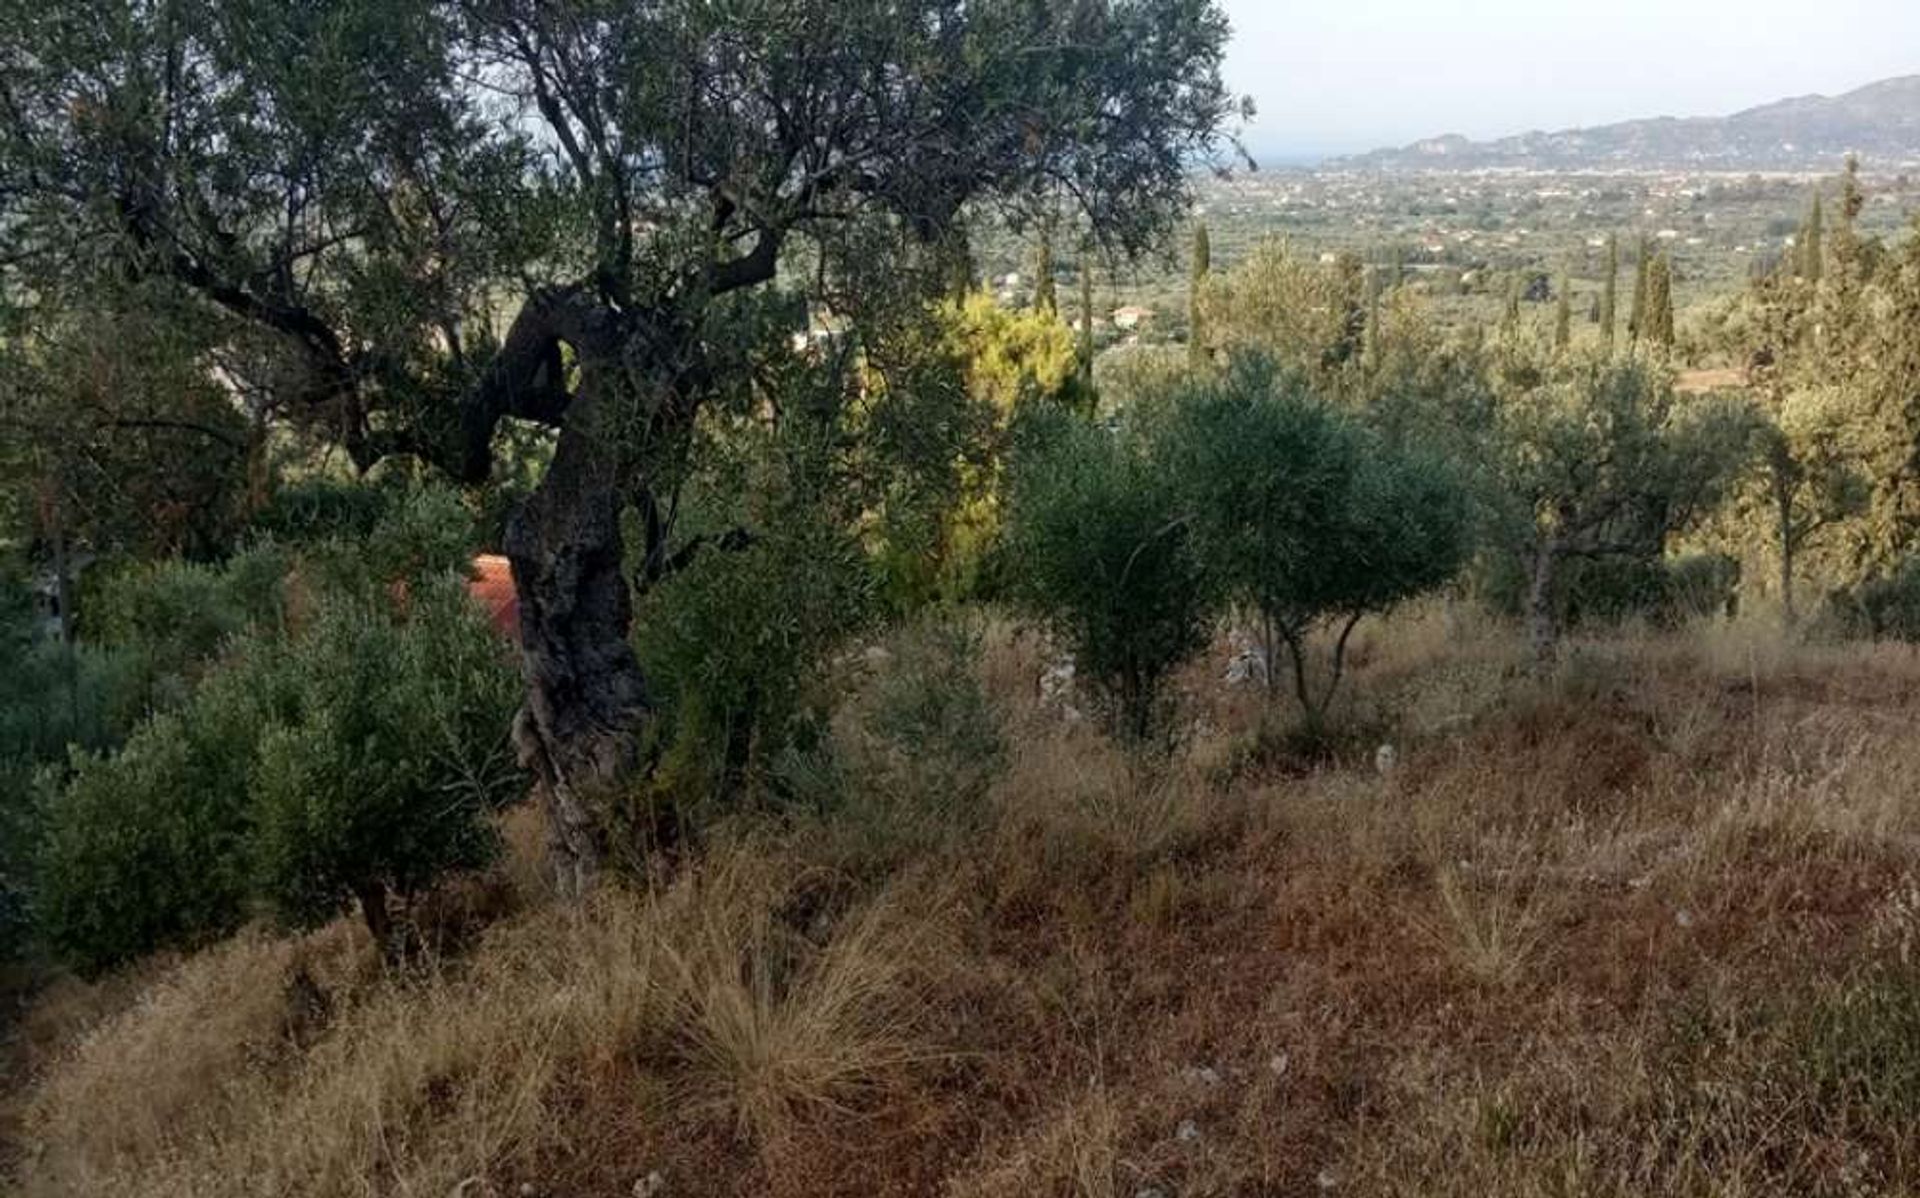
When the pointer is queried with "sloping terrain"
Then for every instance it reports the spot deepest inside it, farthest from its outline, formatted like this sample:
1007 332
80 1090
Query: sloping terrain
1646 928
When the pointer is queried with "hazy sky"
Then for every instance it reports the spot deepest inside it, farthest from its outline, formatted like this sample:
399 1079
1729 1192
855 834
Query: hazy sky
1338 75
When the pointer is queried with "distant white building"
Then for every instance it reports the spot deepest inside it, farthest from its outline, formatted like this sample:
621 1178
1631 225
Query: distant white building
1131 317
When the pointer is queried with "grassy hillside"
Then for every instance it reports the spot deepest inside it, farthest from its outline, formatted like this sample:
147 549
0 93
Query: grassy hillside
1647 927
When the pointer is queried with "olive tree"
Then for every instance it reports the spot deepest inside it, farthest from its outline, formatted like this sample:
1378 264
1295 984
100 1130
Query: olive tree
409 221
1600 459
1101 547
1306 517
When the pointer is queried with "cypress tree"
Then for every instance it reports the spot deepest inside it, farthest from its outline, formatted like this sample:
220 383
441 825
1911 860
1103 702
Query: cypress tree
1086 321
1043 293
1563 315
1659 315
1609 289
1370 346
1811 236
1202 264
1637 317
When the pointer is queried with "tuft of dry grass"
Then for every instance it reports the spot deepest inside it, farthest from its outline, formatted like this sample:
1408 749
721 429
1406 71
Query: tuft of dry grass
771 1028
1489 936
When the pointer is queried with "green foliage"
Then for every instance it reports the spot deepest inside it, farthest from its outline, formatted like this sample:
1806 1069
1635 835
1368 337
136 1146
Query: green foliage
1884 607
320 508
1809 255
173 617
1599 459
1304 516
425 531
1657 322
1103 552
349 753
914 751
1609 292
1563 314
1664 592
146 847
1304 315
732 643
1198 350
393 749
735 639
985 364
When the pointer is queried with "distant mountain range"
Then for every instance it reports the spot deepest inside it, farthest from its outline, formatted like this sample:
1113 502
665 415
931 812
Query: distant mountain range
1880 122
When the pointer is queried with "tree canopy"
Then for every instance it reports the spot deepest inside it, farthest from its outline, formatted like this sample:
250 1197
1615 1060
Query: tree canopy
396 225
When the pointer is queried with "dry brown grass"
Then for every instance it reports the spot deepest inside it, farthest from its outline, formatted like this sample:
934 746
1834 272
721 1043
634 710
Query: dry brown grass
1649 926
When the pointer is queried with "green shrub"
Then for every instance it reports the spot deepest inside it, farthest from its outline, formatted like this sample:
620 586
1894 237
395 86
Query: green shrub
146 847
916 750
732 642
394 751
1615 588
54 699
1303 516
1102 549
1883 608
311 510
174 616
424 532
1700 585
354 756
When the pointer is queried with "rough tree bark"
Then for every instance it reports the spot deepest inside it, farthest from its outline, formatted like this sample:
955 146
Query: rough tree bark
578 732
1542 630
1783 514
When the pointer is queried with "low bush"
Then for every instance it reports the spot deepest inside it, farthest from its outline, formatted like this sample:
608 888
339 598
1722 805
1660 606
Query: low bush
733 642
1102 550
173 617
146 847
1886 608
1617 588
394 750
352 756
914 751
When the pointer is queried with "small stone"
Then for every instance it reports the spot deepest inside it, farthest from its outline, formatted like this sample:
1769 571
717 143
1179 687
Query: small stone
1205 1075
1278 1064
1384 759
1326 1180
526 1189
649 1186
1684 918
1150 1192
1187 1132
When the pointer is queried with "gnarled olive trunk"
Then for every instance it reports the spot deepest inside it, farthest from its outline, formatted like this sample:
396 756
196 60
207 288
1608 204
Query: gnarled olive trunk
579 731
1542 629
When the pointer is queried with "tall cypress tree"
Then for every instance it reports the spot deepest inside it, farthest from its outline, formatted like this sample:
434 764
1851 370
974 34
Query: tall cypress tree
1812 234
1609 290
1637 317
1044 297
1844 303
1659 314
1202 265
1563 315
1086 321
